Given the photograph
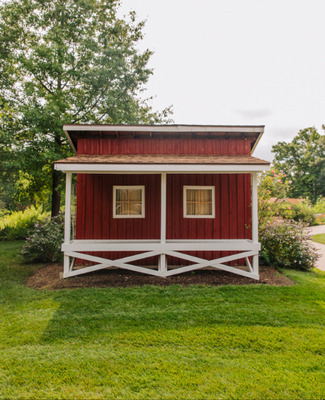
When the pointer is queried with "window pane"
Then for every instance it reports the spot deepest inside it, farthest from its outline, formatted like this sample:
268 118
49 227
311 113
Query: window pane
192 195
128 201
118 209
135 208
206 195
121 208
121 194
199 201
135 194
192 208
205 209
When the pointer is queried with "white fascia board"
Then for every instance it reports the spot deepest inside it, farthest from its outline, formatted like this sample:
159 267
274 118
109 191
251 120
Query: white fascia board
257 141
158 168
163 128
69 139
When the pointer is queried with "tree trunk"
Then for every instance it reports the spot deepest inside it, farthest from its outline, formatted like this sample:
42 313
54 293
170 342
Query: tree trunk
56 192
56 181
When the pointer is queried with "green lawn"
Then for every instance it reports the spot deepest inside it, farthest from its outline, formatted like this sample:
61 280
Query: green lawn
320 238
201 342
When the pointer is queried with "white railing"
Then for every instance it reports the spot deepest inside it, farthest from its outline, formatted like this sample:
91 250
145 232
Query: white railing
150 248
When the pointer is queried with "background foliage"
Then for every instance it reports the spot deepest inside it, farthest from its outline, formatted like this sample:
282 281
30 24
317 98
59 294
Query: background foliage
303 162
15 226
44 241
285 244
71 61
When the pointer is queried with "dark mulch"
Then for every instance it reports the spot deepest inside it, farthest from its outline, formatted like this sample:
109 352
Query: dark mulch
49 278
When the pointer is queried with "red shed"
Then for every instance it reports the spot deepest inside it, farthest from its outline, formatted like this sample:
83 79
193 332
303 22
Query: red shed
163 199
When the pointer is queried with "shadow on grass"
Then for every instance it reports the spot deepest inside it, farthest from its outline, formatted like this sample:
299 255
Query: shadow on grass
90 314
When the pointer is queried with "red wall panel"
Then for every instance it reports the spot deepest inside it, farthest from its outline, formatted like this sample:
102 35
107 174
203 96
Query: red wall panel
95 208
232 194
164 146
232 210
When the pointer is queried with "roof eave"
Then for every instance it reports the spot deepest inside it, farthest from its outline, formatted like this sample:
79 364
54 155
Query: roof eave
160 168
69 138
257 141
166 128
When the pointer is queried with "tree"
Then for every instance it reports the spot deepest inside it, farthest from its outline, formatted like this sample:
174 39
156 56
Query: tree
8 173
68 61
303 161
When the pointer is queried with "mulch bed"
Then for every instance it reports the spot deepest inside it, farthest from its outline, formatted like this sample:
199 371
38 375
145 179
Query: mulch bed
49 278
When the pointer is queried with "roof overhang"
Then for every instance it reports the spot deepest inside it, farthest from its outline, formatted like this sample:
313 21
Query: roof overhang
154 163
165 128
158 168
254 132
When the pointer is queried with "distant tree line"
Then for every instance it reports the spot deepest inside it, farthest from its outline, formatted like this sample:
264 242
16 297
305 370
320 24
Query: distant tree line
302 161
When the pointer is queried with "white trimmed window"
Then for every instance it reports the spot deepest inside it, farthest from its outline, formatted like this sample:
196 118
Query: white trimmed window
199 201
128 202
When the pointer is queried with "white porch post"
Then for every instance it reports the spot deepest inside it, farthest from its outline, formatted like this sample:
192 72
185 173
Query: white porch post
162 266
254 219
67 220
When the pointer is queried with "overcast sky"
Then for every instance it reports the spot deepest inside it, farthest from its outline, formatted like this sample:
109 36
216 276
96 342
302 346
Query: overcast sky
259 62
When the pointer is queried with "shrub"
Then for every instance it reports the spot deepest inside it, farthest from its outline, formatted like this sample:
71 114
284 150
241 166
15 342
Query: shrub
44 241
319 219
304 213
15 226
299 212
319 207
286 244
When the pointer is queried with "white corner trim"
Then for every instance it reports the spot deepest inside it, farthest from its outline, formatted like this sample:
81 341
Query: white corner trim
254 195
163 207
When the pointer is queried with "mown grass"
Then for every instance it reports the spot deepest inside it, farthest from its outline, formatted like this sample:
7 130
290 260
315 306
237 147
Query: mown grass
200 342
319 238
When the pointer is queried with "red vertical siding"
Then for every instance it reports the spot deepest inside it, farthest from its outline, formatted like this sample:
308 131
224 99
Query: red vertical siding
232 209
163 146
232 194
81 206
95 220
230 202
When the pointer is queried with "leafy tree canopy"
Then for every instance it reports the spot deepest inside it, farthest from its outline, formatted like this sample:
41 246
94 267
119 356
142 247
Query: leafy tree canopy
303 162
68 61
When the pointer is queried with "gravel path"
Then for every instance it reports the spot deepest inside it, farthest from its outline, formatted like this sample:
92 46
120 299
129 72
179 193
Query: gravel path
320 248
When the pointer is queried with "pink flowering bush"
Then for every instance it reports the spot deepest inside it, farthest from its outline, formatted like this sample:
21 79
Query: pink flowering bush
44 241
286 244
274 183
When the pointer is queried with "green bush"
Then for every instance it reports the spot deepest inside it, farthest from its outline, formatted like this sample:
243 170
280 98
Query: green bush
302 212
319 207
15 226
285 244
319 211
44 241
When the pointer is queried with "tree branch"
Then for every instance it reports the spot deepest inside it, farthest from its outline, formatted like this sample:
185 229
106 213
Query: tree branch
43 85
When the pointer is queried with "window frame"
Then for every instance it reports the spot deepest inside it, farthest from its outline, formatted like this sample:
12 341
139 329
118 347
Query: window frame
213 205
128 187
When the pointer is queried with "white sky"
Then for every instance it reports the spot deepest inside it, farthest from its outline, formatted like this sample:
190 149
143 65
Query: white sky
259 62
